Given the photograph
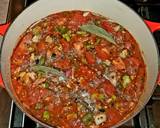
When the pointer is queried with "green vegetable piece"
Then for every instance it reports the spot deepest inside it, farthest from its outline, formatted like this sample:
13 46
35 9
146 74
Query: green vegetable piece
113 97
101 97
88 119
42 60
98 41
38 106
47 70
81 33
62 29
46 115
92 28
125 81
36 30
89 45
45 85
67 37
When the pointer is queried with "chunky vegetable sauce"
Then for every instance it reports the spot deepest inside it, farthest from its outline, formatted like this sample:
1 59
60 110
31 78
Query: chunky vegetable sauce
77 69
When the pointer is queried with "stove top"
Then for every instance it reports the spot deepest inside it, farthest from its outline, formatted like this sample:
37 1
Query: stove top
149 117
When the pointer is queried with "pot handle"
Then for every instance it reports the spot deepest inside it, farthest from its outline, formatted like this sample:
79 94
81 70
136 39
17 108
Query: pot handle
3 29
154 26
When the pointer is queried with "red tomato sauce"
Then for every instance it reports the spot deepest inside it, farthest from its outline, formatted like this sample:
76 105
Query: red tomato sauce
77 69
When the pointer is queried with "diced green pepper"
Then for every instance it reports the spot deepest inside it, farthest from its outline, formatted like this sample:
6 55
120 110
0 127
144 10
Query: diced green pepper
67 37
62 29
46 115
126 80
88 119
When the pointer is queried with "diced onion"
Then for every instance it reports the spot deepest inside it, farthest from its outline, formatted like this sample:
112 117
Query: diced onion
100 118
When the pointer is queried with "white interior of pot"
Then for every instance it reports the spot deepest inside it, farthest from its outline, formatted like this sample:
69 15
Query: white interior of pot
109 8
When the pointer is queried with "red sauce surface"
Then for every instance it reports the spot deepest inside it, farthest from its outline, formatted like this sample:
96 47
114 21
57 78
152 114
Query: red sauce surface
71 78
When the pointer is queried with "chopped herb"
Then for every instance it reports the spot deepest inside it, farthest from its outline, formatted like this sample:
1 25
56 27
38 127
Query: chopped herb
92 28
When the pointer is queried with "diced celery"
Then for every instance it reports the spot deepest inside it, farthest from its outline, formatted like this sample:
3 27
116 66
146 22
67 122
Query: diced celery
67 37
88 119
46 115
126 80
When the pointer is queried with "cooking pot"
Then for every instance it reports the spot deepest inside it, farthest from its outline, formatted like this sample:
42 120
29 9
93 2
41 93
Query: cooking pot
113 9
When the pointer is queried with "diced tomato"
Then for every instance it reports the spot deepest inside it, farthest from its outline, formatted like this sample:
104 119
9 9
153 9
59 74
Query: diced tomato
20 50
102 52
90 58
65 45
118 63
84 83
107 26
113 116
79 18
86 72
27 38
78 47
109 88
41 46
62 64
134 61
